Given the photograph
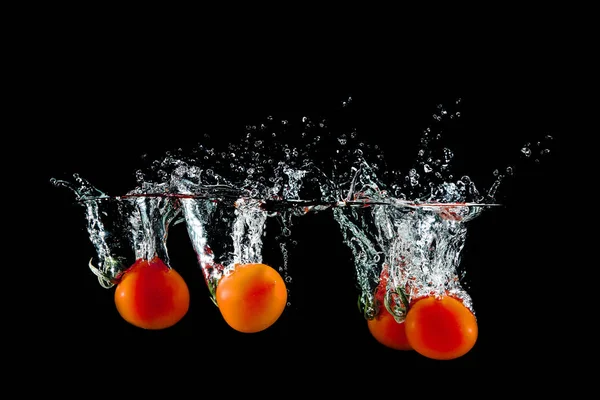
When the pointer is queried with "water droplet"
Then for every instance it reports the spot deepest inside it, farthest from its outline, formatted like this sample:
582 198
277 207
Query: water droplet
545 151
509 170
526 151
288 279
427 168
548 137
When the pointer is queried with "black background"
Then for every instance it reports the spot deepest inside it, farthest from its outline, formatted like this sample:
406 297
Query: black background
99 120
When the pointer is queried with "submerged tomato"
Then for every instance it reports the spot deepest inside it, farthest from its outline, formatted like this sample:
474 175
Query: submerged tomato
384 327
388 332
151 295
441 328
252 297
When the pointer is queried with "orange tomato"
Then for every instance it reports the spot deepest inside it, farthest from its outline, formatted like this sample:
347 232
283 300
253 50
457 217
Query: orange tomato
441 328
252 297
388 332
151 295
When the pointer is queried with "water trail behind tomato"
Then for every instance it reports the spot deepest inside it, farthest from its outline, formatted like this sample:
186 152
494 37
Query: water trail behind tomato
225 223
122 229
408 230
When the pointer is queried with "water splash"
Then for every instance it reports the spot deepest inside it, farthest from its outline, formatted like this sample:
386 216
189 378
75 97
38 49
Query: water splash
408 226
408 243
122 229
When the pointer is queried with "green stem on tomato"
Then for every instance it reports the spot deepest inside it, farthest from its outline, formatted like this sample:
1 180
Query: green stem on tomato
363 307
212 288
403 300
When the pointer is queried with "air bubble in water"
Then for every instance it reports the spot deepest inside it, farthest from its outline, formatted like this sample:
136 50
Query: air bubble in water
448 154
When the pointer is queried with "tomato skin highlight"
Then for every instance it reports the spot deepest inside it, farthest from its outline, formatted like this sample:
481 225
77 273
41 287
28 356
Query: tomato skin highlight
388 332
252 297
150 295
441 328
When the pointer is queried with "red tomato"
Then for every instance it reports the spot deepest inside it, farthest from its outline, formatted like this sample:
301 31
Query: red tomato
388 332
384 327
252 297
441 328
151 295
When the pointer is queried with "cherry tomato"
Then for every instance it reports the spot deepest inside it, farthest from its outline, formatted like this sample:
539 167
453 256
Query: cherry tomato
441 328
384 327
252 297
151 295
388 332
